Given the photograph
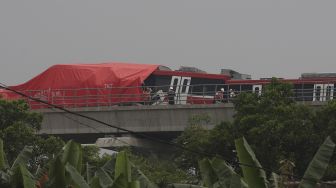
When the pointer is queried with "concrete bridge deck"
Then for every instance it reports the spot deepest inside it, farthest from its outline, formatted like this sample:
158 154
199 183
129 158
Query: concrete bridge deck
146 119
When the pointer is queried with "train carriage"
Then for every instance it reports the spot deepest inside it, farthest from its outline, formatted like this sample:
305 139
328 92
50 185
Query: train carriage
315 89
106 84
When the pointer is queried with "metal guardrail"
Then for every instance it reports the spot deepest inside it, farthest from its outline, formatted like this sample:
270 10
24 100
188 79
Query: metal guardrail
158 95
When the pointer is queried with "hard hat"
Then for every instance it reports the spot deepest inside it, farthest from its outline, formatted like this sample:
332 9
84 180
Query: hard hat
171 88
222 89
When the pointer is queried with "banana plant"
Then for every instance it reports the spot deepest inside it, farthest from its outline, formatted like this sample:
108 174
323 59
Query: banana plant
64 170
16 175
122 175
318 165
253 173
255 176
217 173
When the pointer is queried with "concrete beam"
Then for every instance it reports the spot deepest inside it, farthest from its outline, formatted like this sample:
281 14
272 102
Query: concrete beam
168 118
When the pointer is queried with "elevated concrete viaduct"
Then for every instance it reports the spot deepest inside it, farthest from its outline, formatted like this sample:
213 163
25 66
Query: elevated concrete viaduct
165 122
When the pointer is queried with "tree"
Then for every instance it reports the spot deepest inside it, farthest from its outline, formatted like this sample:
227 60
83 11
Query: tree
325 125
194 138
273 122
18 128
276 126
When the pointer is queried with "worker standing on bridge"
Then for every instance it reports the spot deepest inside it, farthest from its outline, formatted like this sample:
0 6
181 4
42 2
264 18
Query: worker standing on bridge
171 95
232 94
147 96
219 97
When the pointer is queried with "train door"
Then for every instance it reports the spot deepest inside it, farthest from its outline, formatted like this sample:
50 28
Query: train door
329 91
318 92
257 89
184 89
181 87
175 83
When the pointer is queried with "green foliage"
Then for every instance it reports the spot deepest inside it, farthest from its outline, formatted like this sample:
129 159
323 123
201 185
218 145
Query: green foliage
18 127
72 154
104 178
21 177
12 112
217 173
43 150
274 181
221 141
76 176
253 173
286 130
144 180
61 169
159 171
3 163
16 137
272 122
17 175
123 167
196 138
177 185
318 165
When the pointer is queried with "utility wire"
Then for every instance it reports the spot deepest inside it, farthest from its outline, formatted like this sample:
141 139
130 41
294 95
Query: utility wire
146 136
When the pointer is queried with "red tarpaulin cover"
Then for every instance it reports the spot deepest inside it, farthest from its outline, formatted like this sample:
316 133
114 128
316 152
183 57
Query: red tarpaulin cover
87 84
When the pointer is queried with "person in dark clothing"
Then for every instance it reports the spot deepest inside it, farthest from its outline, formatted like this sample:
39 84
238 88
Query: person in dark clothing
171 96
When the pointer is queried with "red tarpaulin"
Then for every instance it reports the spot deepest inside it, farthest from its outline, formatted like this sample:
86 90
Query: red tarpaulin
87 84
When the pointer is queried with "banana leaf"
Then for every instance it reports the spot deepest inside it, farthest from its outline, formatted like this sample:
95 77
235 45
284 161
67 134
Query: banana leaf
134 184
76 177
253 173
23 157
318 165
105 180
57 174
2 157
144 181
73 154
21 177
120 182
274 180
226 175
123 167
109 166
209 176
95 182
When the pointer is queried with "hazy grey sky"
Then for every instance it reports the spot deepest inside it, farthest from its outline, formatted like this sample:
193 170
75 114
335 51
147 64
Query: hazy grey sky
263 38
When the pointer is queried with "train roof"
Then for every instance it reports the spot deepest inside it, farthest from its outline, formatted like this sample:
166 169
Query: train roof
294 81
191 74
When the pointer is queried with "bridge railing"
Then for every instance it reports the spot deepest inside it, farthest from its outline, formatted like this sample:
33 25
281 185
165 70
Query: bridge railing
158 95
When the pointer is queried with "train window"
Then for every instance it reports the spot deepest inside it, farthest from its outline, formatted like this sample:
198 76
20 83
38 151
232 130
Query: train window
210 90
184 86
197 90
175 83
